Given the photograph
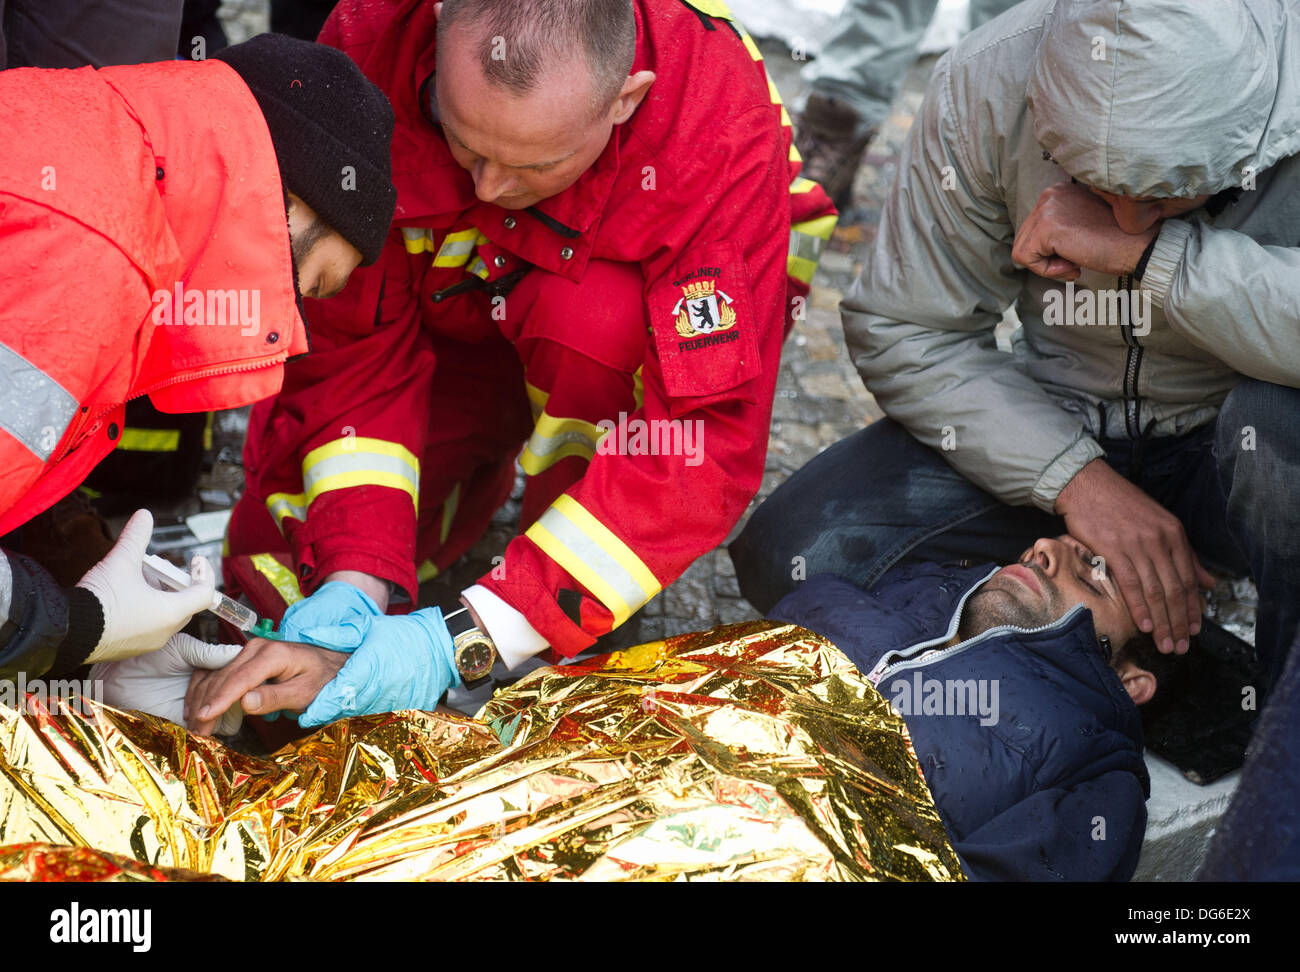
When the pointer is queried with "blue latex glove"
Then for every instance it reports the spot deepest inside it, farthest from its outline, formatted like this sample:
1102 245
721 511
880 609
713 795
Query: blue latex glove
404 662
338 616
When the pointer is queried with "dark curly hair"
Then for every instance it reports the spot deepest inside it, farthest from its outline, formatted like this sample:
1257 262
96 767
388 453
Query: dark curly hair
1141 651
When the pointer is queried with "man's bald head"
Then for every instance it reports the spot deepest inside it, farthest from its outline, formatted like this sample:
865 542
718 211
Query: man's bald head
520 41
529 93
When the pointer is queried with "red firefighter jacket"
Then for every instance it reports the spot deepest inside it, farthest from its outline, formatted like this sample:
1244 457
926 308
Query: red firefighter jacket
699 191
143 250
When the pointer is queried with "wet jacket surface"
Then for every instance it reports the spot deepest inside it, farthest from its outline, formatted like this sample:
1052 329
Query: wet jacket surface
1159 99
1046 784
125 253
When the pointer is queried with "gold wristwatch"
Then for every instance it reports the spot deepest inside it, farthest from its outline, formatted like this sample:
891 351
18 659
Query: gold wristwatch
474 652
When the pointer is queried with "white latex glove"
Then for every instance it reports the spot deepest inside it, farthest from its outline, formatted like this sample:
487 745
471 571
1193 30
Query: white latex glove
157 682
137 616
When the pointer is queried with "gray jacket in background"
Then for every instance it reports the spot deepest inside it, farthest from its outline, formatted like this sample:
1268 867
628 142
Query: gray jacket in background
1185 99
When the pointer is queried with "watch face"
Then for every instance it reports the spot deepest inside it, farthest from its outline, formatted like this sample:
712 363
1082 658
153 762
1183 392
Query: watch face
475 655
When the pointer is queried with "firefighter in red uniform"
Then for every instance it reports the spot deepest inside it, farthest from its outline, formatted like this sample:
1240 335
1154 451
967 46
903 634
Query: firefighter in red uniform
601 240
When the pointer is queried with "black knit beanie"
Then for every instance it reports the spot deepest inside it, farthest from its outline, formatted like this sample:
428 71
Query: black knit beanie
324 116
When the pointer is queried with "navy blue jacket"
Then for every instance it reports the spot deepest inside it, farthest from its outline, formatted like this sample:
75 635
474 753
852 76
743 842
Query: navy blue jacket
1056 787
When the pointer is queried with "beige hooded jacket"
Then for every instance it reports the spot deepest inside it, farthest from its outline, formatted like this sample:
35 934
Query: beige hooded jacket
1157 98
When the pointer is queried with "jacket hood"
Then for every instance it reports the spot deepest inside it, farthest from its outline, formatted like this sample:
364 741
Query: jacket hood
1167 98
224 208
172 163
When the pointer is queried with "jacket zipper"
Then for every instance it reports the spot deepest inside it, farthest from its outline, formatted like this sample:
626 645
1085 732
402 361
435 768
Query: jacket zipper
92 420
937 656
888 656
1132 366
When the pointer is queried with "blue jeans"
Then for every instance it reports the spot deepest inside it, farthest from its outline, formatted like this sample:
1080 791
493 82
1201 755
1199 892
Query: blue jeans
880 498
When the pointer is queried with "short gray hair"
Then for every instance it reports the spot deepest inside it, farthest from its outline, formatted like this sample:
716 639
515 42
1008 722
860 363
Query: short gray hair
522 38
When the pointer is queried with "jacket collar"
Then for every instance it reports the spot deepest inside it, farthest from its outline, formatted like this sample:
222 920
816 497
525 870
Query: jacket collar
1069 644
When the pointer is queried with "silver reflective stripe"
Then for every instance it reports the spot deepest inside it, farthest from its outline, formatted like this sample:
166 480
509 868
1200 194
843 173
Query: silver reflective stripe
359 461
609 575
6 589
457 248
282 505
805 246
34 408
543 445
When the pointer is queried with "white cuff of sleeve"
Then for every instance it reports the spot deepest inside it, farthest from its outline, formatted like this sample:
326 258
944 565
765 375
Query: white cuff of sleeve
515 638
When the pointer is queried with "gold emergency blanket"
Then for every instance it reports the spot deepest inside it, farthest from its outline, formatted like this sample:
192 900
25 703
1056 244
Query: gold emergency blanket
751 752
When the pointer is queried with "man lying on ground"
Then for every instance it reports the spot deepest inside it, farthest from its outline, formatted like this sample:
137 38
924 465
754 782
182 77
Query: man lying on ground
1020 687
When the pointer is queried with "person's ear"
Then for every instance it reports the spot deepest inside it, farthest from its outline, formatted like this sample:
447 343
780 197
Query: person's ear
629 99
1138 682
293 215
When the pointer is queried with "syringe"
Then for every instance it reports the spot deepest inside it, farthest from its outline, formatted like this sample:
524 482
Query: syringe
173 578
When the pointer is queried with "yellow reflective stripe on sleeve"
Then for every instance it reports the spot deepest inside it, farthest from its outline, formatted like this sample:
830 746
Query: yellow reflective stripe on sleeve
802 185
416 239
806 247
427 571
712 8
554 439
794 154
750 46
801 269
150 440
207 431
807 241
287 504
597 559
536 399
776 100
479 268
449 509
457 247
638 388
822 227
281 578
360 461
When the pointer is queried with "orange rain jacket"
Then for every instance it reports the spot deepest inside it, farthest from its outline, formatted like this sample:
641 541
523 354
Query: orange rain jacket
143 251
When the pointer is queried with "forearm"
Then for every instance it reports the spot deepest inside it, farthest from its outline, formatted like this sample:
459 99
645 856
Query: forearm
43 627
1231 296
632 525
376 588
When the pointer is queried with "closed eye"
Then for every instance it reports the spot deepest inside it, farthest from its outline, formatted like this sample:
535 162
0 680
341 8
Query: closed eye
1086 583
